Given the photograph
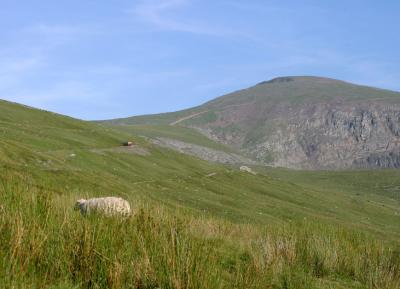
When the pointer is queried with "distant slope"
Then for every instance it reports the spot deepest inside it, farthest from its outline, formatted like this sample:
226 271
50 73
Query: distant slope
188 141
183 134
300 122
66 157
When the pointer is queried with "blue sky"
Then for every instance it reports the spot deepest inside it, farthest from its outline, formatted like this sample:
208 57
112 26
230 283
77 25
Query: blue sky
97 59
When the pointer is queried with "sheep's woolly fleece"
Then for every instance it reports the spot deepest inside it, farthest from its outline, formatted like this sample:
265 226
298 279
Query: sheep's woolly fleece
108 206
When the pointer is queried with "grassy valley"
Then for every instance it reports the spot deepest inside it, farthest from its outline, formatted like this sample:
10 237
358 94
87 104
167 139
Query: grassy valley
196 224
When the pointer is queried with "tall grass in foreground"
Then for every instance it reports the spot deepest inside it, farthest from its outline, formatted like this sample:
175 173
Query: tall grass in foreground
45 244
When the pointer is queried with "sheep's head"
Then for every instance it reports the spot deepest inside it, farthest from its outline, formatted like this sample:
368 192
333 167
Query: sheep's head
79 203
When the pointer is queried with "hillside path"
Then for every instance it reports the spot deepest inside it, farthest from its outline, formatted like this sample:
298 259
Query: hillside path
188 117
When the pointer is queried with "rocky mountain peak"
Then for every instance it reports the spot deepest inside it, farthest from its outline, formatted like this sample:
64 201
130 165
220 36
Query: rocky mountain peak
302 122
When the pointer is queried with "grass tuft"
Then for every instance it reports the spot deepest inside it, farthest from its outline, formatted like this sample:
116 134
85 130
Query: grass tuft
44 243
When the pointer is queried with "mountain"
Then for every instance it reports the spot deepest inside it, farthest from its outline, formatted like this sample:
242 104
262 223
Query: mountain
299 122
196 224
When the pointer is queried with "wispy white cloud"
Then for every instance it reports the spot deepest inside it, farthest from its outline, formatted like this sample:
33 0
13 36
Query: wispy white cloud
29 52
30 55
251 41
158 13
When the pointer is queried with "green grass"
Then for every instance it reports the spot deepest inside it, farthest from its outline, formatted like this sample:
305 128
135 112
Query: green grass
277 229
45 244
173 132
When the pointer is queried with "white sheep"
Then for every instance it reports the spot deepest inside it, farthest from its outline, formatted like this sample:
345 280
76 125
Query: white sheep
109 206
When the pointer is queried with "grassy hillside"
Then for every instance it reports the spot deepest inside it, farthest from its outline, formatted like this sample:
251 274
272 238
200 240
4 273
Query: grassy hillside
197 224
184 134
44 244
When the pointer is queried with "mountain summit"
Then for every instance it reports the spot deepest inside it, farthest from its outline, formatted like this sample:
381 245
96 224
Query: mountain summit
300 122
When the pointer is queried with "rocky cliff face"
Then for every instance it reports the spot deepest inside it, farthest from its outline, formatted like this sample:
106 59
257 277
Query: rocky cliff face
356 127
316 136
305 123
334 136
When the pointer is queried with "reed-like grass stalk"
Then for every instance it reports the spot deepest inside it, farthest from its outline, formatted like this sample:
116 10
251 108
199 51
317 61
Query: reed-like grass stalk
45 244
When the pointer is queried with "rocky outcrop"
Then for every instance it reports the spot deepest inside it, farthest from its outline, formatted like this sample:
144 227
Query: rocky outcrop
202 152
340 136
323 136
380 160
309 123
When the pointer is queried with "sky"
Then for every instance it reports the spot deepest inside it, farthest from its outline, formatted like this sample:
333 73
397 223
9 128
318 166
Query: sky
98 59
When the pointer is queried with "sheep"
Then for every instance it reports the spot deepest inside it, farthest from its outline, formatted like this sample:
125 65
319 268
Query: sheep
108 206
